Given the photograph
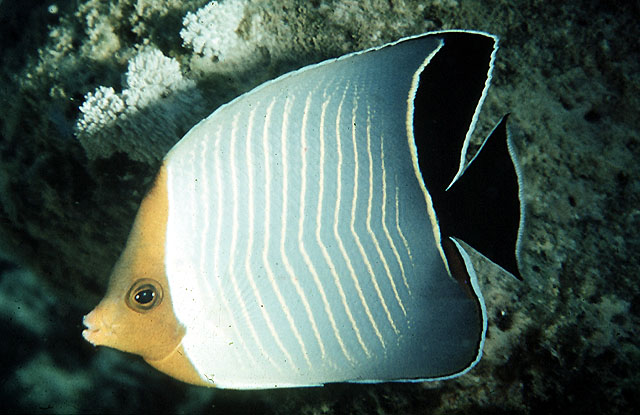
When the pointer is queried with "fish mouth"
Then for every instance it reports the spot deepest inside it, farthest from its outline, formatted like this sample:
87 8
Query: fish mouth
90 334
97 331
91 331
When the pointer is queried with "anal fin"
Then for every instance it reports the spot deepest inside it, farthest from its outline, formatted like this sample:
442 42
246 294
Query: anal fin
483 206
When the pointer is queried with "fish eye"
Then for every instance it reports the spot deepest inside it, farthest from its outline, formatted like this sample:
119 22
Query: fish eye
144 295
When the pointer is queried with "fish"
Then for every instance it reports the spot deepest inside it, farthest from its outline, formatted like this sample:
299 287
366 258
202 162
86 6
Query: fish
319 228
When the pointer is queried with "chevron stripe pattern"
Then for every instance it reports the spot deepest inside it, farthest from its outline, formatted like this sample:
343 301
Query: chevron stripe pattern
301 244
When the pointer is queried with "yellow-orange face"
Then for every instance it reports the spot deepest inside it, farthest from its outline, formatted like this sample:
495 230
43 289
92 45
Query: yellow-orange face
136 314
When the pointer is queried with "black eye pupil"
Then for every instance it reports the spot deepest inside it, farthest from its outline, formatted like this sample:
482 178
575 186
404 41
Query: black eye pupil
144 296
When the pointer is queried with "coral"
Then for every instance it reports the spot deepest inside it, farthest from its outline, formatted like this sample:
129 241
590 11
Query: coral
157 103
151 75
103 42
212 30
147 117
100 108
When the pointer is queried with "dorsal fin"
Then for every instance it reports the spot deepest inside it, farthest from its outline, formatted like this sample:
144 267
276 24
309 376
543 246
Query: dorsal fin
447 103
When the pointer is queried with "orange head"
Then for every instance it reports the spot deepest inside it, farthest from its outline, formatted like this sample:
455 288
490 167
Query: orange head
136 315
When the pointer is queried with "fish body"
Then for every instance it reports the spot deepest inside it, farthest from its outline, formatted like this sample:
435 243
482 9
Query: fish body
294 236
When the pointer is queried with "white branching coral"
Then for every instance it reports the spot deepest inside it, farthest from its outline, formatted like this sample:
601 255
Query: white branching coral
212 30
157 104
104 98
151 75
146 118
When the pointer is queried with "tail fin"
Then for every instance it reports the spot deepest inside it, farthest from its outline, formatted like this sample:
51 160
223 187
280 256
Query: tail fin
483 206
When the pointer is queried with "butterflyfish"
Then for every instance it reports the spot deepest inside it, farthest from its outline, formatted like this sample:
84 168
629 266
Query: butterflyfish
311 230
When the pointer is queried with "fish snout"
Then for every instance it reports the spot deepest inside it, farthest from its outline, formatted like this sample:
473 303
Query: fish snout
96 330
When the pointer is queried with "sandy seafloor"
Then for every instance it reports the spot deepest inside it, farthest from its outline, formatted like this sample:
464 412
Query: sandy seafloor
563 341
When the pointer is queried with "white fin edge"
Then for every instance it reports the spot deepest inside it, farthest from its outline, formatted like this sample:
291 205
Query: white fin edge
476 114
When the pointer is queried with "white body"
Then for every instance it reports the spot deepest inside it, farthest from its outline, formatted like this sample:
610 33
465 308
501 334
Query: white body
302 247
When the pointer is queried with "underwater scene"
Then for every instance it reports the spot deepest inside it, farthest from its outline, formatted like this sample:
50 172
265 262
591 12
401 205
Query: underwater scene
530 236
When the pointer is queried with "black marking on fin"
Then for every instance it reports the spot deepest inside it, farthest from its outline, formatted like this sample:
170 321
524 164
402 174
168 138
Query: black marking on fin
482 207
450 87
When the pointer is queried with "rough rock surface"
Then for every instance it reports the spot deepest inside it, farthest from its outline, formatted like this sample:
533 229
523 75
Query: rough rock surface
563 341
